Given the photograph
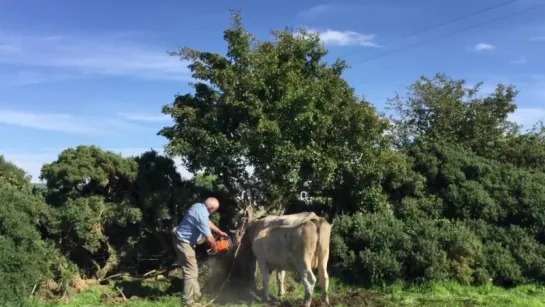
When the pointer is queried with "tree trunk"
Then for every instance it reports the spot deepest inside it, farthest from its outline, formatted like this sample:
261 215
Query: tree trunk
111 263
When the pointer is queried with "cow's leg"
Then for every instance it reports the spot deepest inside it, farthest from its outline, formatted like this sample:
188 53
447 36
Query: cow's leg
309 281
324 280
280 276
307 276
264 278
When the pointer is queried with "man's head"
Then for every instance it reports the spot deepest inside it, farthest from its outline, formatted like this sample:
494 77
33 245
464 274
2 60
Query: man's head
212 204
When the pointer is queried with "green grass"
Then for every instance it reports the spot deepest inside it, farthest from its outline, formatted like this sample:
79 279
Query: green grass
431 294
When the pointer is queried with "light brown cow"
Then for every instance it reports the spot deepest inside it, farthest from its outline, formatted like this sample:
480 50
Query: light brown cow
295 242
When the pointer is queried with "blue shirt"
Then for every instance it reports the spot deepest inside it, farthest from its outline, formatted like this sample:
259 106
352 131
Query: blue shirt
196 222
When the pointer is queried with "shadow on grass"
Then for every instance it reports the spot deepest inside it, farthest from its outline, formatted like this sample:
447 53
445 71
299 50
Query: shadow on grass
231 293
234 293
240 294
149 291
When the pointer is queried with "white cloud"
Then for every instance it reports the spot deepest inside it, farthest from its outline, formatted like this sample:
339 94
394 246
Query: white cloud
527 117
85 56
26 77
9 49
32 162
537 39
316 10
345 38
67 123
521 60
484 47
145 117
377 11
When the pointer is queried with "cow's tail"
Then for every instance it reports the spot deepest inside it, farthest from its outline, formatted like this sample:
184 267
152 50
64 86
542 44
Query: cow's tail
323 237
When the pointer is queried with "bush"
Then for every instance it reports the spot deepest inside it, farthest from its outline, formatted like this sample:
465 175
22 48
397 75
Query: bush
26 259
24 256
512 255
369 248
379 248
472 187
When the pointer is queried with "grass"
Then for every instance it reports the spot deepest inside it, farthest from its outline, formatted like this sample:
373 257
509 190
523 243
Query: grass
162 294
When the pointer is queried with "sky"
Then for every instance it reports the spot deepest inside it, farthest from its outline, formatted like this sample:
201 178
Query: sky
98 73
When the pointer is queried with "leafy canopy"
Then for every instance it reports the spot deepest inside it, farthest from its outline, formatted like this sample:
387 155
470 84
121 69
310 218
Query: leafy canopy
25 259
445 109
274 106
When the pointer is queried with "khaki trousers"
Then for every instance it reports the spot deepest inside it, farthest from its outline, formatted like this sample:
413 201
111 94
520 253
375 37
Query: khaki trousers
188 261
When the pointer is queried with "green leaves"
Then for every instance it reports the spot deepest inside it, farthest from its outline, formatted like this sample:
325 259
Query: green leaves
12 175
276 106
25 259
441 108
86 171
82 221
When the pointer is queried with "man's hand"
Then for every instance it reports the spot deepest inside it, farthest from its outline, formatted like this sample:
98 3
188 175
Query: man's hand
215 229
212 243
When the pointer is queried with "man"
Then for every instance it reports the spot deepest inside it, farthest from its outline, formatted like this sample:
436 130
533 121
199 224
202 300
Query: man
196 222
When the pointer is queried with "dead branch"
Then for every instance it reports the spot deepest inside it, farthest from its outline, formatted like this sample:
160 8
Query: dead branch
148 273
63 295
116 275
33 289
121 292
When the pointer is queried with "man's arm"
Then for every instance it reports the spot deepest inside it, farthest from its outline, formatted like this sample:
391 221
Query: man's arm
215 229
205 229
212 243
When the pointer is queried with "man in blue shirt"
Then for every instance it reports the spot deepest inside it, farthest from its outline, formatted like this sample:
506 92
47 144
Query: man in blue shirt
196 223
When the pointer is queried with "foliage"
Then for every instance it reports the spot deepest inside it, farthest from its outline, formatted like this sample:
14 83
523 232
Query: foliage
25 259
89 191
278 107
473 187
468 201
524 150
378 248
441 108
110 210
87 171
12 175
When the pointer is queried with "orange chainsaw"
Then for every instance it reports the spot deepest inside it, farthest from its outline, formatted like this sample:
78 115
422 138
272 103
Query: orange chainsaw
222 245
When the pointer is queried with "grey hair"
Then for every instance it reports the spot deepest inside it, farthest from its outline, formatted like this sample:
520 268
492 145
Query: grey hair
212 203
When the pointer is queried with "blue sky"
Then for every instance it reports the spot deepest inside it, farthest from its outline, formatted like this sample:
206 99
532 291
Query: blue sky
97 72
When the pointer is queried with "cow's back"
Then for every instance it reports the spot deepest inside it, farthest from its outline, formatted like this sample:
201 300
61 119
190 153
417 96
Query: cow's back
286 220
273 221
282 246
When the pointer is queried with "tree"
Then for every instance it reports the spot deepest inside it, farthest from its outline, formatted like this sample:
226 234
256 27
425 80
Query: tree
25 259
11 174
161 196
90 192
111 212
87 171
278 107
441 108
526 150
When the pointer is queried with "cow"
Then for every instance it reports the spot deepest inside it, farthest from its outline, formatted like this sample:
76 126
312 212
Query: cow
295 242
